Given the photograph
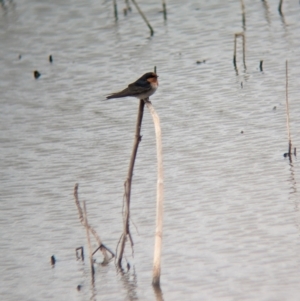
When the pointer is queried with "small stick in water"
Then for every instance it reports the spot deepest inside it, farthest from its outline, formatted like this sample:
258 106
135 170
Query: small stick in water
50 58
243 14
261 65
287 111
144 17
164 9
88 239
53 260
241 34
280 7
81 253
116 10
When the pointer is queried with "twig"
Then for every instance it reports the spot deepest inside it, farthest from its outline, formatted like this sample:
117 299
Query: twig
159 197
288 111
243 14
127 184
280 7
92 230
81 255
115 10
261 66
88 239
144 17
241 34
164 9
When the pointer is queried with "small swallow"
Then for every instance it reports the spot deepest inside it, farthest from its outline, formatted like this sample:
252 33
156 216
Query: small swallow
143 88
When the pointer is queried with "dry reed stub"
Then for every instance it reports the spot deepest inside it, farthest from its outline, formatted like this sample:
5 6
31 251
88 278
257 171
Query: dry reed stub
243 14
144 17
287 110
242 35
261 66
91 229
115 10
280 7
52 260
50 59
164 9
80 255
88 240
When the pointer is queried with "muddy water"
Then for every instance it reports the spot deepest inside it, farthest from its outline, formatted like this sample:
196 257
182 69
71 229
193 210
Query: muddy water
231 225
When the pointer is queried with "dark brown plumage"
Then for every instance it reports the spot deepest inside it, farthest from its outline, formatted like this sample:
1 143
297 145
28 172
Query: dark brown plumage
144 87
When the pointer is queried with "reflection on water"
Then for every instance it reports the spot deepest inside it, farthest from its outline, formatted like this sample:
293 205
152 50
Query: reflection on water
231 225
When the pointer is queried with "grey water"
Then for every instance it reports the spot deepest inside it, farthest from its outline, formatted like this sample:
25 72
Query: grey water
231 208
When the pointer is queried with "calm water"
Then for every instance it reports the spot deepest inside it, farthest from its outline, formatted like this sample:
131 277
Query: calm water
231 224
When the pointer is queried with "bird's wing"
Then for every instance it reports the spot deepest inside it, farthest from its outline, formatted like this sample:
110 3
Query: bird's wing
135 89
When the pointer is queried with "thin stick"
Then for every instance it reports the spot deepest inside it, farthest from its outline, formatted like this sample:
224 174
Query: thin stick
287 110
241 34
164 9
92 230
88 239
116 10
127 184
144 17
280 7
234 52
243 14
159 197
244 50
261 66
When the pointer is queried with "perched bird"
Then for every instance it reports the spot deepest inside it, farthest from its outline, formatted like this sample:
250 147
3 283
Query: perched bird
143 88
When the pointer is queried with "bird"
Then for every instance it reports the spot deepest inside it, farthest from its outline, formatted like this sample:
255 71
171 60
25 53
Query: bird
142 88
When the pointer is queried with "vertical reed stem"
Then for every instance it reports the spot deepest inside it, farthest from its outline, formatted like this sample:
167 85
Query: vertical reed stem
159 197
116 10
287 110
244 50
127 184
88 240
280 7
243 14
144 17
234 52
164 9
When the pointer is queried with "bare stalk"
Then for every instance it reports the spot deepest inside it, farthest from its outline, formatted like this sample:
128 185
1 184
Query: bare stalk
287 110
116 10
144 17
92 230
280 7
243 14
88 239
127 184
159 197
241 34
164 9
234 52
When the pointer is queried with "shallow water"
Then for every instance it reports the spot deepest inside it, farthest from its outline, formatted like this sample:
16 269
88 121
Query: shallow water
231 223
